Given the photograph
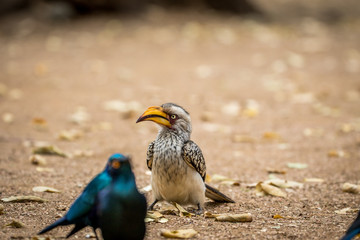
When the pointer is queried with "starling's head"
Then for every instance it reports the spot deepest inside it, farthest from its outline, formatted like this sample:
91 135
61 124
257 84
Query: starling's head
118 163
168 116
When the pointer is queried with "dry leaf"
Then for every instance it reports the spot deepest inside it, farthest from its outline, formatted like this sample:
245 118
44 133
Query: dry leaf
251 185
182 211
45 189
80 116
272 176
211 215
207 116
275 227
230 183
336 153
15 224
83 153
181 233
310 132
259 190
346 128
283 146
277 216
162 220
326 110
314 180
307 97
175 209
271 136
284 183
251 109
37 160
23 199
231 109
8 117
43 238
275 171
219 178
250 112
343 211
243 139
155 216
351 188
146 219
297 165
244 217
70 135
169 210
272 190
222 180
49 150
42 169
39 123
264 188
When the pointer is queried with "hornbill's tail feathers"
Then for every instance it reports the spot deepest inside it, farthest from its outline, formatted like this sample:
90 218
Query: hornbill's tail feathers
216 195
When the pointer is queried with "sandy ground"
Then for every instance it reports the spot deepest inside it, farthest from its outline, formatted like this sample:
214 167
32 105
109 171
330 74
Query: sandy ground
241 80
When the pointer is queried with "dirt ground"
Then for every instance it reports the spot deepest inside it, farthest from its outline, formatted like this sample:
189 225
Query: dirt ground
261 95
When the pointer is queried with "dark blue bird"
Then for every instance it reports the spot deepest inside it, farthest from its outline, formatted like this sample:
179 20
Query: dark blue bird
121 209
82 212
353 230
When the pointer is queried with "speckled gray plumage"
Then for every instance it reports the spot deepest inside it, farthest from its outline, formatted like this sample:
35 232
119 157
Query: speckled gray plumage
167 156
190 153
193 156
149 155
177 163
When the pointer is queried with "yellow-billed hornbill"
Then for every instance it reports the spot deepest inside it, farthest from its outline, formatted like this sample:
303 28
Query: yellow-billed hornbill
177 163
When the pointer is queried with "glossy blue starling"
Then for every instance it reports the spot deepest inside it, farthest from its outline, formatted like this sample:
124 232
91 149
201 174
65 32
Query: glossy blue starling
353 230
82 212
121 209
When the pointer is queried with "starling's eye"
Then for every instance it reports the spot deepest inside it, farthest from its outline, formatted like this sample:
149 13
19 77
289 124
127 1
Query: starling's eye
116 164
173 116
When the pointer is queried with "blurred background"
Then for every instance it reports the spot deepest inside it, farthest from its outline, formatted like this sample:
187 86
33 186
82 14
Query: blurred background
266 83
286 10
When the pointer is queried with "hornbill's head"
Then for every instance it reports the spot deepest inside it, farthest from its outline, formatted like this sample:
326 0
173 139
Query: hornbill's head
169 116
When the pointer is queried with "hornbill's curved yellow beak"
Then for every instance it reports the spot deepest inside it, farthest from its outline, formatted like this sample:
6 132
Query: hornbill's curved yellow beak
155 114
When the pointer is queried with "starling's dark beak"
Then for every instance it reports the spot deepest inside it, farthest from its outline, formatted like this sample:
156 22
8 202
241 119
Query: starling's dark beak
155 114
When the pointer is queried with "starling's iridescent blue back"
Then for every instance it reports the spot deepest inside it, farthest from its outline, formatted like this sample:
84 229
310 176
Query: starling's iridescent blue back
353 230
121 208
82 212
